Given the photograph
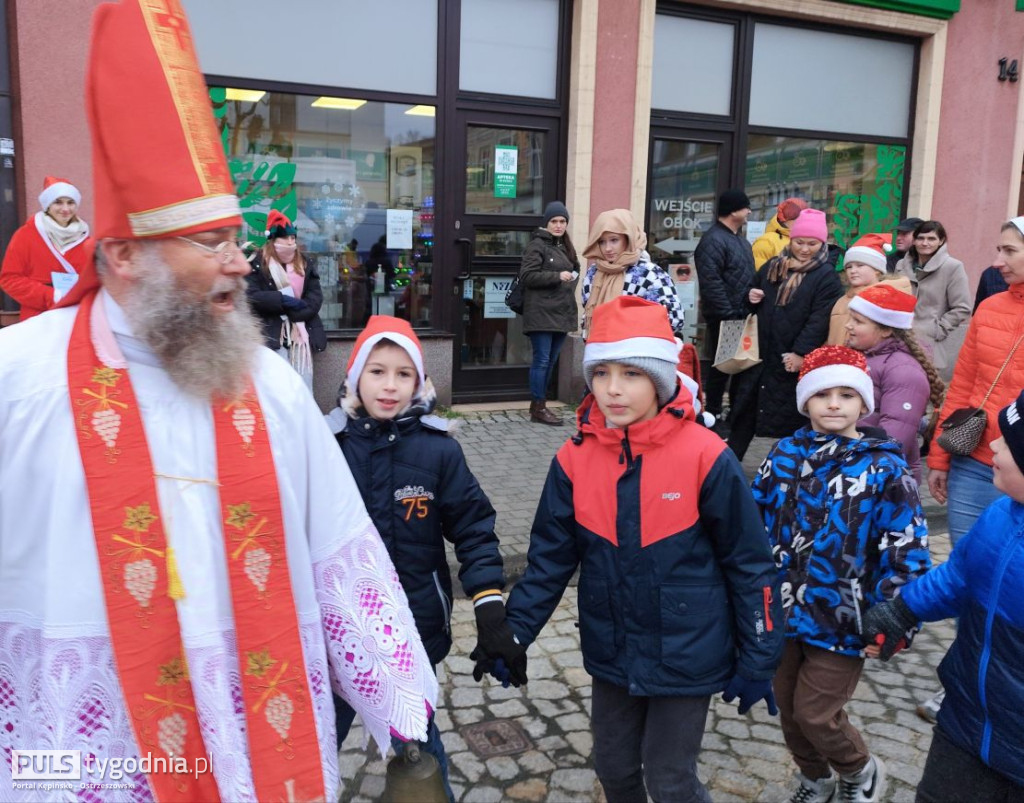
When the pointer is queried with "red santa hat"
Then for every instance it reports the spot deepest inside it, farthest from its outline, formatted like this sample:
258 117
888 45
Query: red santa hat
278 225
885 305
378 328
834 367
54 188
159 168
871 250
637 332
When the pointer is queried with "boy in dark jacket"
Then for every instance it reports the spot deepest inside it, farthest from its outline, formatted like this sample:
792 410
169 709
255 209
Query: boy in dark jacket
418 490
977 750
677 590
847 530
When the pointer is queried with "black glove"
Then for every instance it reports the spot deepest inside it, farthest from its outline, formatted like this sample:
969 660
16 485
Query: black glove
749 692
497 643
886 624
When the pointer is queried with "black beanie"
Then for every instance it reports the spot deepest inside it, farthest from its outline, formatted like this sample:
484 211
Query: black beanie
732 201
555 209
1011 425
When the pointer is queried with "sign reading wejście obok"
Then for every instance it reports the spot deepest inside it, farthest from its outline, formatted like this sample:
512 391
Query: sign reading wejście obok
495 288
506 168
684 213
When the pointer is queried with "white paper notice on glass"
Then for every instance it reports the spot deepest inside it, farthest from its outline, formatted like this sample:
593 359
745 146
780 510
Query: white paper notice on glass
62 284
399 228
755 228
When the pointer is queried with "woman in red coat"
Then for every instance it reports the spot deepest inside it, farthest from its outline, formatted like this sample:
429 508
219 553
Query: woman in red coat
46 254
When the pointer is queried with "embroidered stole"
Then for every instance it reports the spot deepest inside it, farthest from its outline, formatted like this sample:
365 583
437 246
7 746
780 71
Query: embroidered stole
140 585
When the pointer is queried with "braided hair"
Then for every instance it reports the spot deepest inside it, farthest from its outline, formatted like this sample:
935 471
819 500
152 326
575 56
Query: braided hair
938 387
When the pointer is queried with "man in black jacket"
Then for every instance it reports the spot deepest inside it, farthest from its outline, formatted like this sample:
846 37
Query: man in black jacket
725 269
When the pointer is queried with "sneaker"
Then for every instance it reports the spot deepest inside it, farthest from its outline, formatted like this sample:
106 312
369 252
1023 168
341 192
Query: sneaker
865 786
929 709
820 791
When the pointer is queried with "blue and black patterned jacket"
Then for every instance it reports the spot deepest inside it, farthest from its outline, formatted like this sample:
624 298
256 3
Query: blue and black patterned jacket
846 528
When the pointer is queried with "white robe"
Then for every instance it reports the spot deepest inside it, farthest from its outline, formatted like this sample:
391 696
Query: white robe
59 688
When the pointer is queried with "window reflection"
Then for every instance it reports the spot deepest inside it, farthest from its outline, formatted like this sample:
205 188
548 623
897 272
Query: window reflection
357 177
524 195
858 185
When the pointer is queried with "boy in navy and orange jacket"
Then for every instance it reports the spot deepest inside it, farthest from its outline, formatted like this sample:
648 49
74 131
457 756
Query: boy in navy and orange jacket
677 589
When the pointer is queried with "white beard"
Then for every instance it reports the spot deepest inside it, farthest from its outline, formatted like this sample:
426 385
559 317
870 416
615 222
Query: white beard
206 353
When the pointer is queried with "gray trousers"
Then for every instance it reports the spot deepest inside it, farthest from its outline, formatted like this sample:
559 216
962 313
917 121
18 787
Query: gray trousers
647 744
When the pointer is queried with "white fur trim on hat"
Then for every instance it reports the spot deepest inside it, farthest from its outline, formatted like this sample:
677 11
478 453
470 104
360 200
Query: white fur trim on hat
871 257
60 189
660 348
895 319
835 376
364 352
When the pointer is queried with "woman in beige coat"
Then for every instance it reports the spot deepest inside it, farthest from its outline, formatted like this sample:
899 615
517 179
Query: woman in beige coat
943 297
864 265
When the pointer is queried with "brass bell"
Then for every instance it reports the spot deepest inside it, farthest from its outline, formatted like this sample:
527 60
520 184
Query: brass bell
413 777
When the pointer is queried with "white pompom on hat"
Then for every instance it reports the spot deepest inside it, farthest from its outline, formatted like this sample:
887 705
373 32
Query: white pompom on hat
54 188
834 367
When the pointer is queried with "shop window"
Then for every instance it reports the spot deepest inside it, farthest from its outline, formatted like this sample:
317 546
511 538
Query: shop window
386 45
356 177
693 65
858 185
823 81
509 49
520 192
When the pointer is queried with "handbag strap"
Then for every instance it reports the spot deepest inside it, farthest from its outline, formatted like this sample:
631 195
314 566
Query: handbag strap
1005 363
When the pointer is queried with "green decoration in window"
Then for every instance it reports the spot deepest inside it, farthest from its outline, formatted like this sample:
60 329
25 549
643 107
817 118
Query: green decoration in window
257 179
872 211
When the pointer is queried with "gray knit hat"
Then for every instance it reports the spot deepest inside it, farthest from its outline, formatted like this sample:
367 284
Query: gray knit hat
661 372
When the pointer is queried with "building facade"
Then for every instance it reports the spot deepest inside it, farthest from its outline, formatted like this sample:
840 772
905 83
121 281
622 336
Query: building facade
416 142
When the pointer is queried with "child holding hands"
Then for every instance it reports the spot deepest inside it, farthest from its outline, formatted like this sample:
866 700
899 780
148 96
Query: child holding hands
847 530
677 591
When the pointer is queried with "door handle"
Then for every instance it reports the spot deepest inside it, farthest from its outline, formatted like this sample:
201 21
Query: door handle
467 259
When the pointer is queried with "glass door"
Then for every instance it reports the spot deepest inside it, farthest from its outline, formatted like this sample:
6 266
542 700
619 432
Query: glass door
688 171
509 173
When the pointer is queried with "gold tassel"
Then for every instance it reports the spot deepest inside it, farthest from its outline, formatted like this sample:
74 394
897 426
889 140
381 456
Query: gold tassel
175 590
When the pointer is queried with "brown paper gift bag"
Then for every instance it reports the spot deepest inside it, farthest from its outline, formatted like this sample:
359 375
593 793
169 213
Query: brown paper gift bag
737 346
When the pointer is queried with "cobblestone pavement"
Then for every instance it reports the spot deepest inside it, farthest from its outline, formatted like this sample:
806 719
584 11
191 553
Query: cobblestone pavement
744 757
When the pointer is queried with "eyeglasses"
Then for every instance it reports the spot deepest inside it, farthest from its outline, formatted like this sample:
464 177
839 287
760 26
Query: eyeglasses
223 252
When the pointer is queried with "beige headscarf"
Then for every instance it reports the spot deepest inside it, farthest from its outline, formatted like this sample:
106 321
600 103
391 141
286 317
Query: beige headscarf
608 281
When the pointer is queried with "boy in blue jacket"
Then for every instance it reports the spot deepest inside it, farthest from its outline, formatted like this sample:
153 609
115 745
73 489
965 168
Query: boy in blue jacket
847 530
418 490
977 750
677 590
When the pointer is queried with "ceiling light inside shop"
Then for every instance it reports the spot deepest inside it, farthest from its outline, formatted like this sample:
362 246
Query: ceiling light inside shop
248 95
421 111
338 103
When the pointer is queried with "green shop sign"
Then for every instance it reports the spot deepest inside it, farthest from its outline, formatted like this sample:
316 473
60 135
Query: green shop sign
943 9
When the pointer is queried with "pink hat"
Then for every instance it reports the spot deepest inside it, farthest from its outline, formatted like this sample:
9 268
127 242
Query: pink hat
809 223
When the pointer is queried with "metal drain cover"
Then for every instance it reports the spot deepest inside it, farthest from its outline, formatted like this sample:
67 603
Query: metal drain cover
497 737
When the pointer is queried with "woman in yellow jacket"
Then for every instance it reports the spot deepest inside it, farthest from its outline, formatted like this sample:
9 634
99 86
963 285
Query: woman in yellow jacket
776 233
